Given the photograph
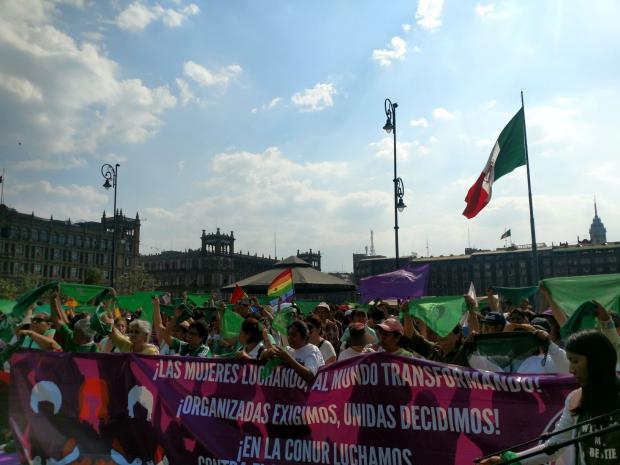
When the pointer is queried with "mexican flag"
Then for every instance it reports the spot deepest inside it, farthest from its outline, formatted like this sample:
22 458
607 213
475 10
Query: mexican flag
508 153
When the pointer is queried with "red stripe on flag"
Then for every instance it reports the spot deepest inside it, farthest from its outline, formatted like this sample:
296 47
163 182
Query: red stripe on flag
476 198
237 295
282 278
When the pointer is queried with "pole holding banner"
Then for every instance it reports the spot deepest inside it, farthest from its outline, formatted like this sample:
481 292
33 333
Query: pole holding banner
535 272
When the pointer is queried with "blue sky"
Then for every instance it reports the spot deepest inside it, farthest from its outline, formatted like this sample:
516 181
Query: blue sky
265 117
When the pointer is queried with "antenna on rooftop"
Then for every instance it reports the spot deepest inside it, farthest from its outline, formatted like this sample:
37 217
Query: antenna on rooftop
427 252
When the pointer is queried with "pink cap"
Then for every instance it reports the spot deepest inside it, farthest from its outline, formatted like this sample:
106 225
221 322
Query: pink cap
392 324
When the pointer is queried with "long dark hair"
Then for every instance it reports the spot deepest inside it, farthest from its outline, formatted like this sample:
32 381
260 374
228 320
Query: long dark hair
600 394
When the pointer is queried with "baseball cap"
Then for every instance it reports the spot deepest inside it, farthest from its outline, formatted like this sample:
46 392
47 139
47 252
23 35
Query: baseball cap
392 325
541 323
494 318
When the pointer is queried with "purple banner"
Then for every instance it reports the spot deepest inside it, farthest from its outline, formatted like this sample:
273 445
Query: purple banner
375 409
406 283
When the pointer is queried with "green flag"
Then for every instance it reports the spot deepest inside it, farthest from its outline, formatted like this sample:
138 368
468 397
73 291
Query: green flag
571 292
441 314
583 318
83 293
307 306
6 306
198 300
516 294
230 324
283 319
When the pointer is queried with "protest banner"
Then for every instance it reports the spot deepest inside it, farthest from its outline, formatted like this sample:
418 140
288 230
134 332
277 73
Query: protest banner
376 409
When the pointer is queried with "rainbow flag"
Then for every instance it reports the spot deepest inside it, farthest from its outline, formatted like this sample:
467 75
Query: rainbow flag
281 287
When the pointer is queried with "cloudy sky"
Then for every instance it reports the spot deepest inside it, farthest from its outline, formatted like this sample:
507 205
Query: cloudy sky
265 118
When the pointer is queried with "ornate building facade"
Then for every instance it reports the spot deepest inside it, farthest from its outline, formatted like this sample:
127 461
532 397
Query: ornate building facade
211 267
62 250
510 266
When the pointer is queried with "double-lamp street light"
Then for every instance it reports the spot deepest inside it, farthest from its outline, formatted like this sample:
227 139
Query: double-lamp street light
399 186
110 173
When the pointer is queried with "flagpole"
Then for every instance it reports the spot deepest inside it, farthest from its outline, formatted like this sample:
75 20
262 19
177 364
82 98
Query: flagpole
2 188
535 273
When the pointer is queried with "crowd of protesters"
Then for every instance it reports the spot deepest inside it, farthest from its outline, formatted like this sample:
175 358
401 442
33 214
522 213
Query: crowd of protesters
328 334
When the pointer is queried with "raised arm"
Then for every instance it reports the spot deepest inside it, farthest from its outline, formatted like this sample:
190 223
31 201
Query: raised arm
558 313
158 324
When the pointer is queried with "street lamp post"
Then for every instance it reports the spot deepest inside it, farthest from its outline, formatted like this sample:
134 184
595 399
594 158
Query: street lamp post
399 187
110 173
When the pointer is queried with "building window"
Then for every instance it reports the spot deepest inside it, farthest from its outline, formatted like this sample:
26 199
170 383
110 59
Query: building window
25 234
37 268
74 255
54 238
62 239
70 240
78 241
57 253
19 250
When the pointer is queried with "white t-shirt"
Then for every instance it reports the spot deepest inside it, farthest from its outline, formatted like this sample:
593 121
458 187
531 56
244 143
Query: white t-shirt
255 351
349 353
327 349
308 356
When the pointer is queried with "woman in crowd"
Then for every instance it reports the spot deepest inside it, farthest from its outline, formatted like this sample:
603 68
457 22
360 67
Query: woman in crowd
106 344
391 335
136 340
300 355
358 342
592 360
250 338
40 335
316 337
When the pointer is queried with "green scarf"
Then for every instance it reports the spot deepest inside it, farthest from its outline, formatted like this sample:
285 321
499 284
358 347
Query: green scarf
441 314
571 292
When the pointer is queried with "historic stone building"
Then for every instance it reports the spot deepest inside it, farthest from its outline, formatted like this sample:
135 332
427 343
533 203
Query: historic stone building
62 250
215 265
511 266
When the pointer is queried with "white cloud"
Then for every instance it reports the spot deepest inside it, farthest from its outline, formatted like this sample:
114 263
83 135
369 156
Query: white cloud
406 27
181 165
484 10
416 49
490 104
384 149
138 16
307 204
490 11
59 200
47 164
72 98
111 158
274 103
428 14
422 122
22 88
206 78
397 50
317 98
443 114
185 94
254 111
556 127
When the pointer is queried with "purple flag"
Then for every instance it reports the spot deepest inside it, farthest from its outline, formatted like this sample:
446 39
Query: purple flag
406 283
